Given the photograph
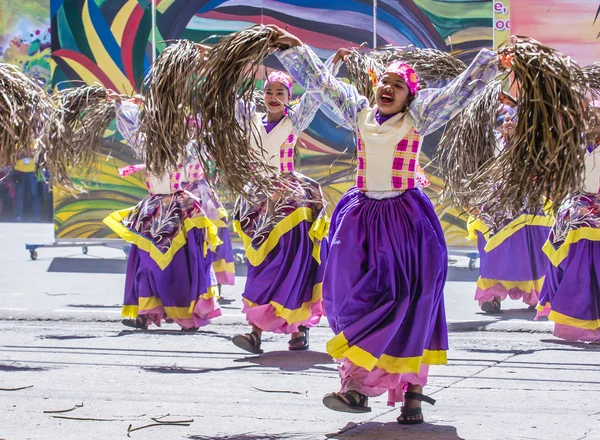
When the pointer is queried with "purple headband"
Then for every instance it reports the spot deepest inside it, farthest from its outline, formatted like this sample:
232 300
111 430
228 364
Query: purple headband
280 77
407 73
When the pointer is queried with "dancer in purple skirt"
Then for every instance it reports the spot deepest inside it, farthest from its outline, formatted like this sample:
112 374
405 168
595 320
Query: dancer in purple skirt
512 263
281 235
169 269
387 263
571 293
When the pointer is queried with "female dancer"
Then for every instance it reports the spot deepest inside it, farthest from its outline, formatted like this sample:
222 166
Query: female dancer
169 272
387 263
571 293
512 262
281 233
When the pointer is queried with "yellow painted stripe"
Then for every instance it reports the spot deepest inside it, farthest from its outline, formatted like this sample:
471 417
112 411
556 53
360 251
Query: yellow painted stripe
118 25
103 59
85 75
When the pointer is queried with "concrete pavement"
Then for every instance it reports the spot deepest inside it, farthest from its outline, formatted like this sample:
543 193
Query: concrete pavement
496 386
63 284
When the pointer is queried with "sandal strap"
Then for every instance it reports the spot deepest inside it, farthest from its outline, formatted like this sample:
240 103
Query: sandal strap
256 339
410 412
362 399
420 397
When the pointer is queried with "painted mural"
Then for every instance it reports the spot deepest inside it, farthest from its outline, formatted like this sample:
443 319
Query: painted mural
572 27
25 37
108 42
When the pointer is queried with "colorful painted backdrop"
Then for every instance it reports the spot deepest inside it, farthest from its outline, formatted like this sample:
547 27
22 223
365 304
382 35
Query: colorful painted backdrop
25 37
569 26
108 42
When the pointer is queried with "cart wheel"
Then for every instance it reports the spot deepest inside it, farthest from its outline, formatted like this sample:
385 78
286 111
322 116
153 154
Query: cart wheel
33 254
84 250
472 264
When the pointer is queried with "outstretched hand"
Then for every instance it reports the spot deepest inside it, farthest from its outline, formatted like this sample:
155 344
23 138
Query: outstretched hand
341 54
284 38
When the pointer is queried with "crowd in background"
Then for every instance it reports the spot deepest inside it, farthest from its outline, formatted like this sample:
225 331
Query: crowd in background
25 192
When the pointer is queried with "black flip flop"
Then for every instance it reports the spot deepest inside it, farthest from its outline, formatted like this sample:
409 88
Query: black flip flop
412 412
333 402
301 339
492 307
140 322
250 344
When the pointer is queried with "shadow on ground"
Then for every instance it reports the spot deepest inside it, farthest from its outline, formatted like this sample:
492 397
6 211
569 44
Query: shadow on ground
394 431
249 436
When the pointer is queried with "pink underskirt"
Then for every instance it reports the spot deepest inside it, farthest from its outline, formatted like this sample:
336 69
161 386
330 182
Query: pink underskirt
570 333
265 317
204 311
375 383
225 278
499 291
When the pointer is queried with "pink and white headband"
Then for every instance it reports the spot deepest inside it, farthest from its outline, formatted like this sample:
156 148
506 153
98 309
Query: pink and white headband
280 77
407 73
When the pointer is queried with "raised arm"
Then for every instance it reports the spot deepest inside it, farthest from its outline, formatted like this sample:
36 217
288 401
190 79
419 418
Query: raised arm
304 112
310 72
433 108
128 122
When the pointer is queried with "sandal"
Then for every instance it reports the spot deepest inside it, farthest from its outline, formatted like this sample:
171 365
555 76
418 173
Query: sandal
405 412
492 307
140 322
301 342
249 342
347 402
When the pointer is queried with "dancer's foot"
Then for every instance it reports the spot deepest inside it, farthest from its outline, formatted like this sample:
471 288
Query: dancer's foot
299 340
411 412
492 307
350 401
249 341
140 322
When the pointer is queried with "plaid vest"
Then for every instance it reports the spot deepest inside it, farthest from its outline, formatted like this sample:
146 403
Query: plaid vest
388 154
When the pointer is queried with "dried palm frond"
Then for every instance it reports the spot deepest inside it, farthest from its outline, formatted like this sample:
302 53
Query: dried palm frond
592 73
431 65
23 109
171 92
73 138
363 72
545 158
258 97
468 145
231 70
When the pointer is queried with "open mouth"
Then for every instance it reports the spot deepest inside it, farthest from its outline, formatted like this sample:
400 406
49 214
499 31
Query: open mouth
274 103
386 98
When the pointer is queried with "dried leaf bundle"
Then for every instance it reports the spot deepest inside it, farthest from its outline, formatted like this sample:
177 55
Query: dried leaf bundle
23 107
431 65
363 69
468 146
75 131
544 158
171 92
592 73
231 70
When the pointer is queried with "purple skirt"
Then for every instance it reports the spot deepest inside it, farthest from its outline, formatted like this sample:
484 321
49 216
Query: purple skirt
571 293
282 240
515 268
169 269
383 288
223 261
